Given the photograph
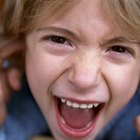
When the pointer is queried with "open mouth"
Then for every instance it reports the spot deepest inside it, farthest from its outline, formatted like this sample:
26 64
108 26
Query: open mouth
77 119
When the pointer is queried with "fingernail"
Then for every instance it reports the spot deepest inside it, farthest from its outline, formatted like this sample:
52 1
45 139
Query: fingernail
6 64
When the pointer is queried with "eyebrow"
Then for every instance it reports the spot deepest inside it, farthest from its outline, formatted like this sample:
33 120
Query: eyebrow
117 39
120 39
60 30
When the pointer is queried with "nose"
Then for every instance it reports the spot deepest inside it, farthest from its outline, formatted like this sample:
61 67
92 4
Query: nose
85 74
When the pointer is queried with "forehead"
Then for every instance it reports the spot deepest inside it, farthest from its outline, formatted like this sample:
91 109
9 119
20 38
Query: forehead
63 10
90 20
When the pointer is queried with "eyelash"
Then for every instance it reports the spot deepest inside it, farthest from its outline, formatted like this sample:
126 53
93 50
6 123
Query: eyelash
121 49
56 39
60 40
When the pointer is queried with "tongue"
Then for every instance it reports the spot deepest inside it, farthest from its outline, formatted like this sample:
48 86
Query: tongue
76 118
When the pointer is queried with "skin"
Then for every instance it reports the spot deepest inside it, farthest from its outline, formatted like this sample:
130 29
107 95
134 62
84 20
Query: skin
89 65
10 78
6 92
137 124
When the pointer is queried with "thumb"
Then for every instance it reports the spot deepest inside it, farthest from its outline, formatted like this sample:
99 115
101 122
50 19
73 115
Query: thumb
14 76
3 113
137 124
3 109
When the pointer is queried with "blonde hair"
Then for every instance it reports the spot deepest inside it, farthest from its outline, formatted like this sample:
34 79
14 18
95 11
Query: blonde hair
22 16
25 15
126 14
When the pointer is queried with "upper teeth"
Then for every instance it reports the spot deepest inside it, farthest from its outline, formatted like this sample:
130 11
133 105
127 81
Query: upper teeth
77 105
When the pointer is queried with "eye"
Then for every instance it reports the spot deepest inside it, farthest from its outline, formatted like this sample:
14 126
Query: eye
56 39
120 49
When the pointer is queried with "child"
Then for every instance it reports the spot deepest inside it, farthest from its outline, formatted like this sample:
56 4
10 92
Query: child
81 60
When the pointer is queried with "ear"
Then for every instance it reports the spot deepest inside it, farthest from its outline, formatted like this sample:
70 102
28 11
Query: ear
14 78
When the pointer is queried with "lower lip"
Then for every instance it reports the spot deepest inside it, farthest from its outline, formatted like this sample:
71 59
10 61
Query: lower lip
71 132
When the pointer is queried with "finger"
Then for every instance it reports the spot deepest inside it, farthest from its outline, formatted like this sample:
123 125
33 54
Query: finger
3 110
137 124
11 47
9 80
5 90
12 55
14 78
3 113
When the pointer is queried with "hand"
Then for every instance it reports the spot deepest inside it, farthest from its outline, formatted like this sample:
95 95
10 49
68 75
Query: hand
10 75
137 124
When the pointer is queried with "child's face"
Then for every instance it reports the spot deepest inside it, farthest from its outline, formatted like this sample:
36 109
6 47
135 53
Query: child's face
81 72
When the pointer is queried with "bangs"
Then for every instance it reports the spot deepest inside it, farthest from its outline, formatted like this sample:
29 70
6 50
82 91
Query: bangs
126 15
26 15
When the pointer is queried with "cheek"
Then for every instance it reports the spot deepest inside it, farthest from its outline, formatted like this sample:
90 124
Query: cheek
123 84
36 83
42 71
34 73
40 77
